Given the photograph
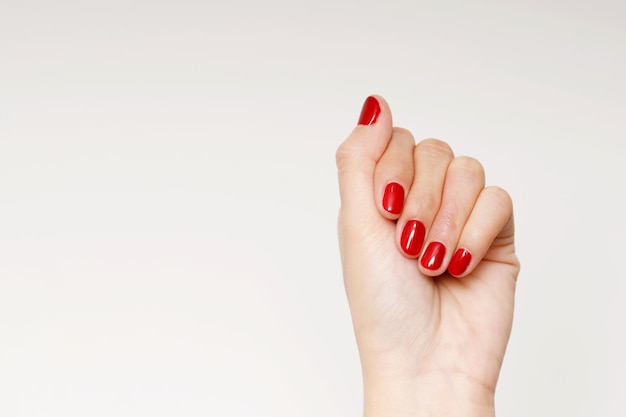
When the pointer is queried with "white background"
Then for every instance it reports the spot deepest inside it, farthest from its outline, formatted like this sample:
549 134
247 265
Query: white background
168 195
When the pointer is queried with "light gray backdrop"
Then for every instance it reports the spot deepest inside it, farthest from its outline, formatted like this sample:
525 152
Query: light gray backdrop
168 195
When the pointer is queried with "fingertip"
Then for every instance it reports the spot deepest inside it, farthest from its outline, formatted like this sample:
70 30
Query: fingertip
411 238
393 200
369 139
432 260
374 108
460 263
369 112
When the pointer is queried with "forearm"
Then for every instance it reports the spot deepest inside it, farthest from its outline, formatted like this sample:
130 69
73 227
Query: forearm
449 396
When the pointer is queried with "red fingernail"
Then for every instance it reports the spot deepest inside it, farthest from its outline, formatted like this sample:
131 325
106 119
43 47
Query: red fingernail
370 111
433 256
412 237
460 261
393 198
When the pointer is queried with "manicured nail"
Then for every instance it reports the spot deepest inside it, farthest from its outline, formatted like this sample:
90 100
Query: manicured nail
393 198
412 237
460 261
370 111
433 256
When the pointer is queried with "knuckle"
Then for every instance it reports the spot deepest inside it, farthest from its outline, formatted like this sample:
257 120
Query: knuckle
468 170
500 197
403 134
435 149
469 165
344 155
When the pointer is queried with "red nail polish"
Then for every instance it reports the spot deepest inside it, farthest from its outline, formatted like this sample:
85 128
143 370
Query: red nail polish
433 256
412 237
370 111
460 261
393 198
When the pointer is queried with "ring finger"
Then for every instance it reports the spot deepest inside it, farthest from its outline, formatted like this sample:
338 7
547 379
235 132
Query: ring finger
464 181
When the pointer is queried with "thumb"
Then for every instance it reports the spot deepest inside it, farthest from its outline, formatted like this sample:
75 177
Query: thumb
358 155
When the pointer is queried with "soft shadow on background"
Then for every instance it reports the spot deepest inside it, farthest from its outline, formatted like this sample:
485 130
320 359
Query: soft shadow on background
168 195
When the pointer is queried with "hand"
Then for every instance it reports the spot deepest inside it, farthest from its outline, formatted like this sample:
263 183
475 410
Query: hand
429 268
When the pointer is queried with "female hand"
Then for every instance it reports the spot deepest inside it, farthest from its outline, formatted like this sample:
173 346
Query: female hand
429 267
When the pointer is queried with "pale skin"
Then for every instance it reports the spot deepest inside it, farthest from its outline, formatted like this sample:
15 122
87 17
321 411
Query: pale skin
431 330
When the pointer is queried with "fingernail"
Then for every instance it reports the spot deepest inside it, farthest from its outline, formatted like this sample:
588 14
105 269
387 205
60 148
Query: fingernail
412 237
433 256
460 261
393 198
370 111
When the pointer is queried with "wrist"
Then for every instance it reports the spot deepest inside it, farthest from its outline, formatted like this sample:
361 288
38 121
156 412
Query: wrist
427 396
